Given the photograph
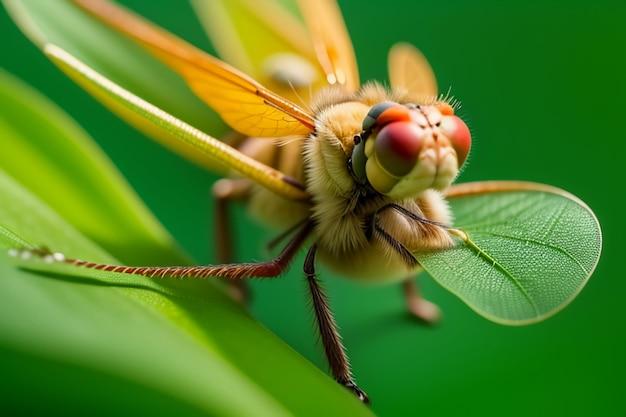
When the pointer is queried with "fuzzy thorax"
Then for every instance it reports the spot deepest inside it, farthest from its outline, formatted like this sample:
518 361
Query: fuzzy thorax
341 224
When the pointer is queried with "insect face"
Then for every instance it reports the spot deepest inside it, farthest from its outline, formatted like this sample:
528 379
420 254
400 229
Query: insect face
406 149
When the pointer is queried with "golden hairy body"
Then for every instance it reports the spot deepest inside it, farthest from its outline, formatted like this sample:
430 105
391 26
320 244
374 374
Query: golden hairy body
320 162
355 171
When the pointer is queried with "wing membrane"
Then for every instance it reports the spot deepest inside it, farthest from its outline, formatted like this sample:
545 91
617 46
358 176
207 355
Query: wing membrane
410 71
243 103
331 41
117 97
486 187
525 251
266 41
245 32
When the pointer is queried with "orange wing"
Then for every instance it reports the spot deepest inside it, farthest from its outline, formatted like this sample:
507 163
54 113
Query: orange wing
486 187
243 103
332 42
410 72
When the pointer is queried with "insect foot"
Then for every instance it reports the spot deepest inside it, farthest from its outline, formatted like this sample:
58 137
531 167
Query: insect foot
42 254
425 312
419 308
360 394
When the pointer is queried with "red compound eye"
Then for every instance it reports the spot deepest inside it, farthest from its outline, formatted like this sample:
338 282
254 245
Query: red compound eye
445 109
460 137
375 111
397 113
398 145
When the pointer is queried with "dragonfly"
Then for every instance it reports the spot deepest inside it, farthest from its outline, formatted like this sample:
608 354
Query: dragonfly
358 174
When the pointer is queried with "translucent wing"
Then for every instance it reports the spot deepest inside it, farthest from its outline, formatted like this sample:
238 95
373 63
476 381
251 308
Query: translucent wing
331 41
486 187
153 117
266 41
409 71
243 103
524 251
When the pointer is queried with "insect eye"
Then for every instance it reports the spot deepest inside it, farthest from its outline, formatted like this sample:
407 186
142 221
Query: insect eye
445 109
396 149
388 157
375 111
398 145
397 113
459 134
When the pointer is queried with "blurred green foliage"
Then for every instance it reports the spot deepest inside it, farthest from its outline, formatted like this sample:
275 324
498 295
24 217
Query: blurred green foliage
187 340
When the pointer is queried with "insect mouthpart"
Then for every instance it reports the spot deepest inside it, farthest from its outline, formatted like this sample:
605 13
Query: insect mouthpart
406 149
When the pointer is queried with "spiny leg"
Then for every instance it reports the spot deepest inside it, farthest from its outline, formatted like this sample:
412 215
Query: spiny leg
267 269
334 349
420 308
224 191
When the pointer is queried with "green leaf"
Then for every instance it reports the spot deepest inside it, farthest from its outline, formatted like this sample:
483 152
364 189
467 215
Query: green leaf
186 340
54 158
75 330
527 254
116 58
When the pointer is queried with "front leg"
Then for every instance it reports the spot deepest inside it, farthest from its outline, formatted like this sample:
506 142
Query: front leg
268 269
423 310
334 349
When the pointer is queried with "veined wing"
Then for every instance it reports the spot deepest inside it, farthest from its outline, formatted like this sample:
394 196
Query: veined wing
243 103
149 115
410 71
331 41
524 252
486 187
266 41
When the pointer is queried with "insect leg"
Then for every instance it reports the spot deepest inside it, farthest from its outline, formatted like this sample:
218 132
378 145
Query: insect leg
268 269
334 349
397 246
420 308
225 191
410 215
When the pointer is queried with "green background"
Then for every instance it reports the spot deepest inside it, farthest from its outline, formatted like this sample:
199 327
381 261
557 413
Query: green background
542 86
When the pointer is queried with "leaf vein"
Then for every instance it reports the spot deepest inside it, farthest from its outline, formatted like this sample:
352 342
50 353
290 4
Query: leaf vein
508 274
540 243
